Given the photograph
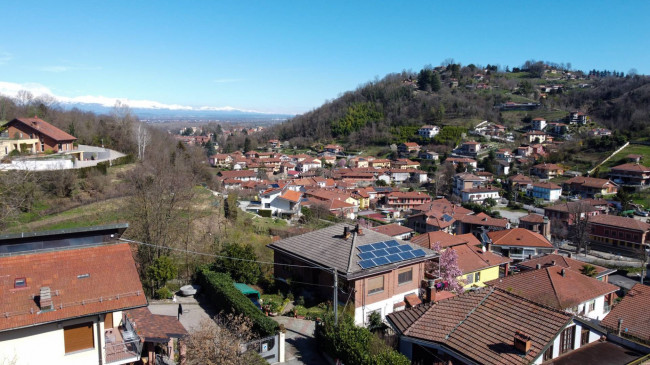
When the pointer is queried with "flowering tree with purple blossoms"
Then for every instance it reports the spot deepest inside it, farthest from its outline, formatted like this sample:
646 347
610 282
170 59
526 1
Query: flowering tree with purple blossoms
447 268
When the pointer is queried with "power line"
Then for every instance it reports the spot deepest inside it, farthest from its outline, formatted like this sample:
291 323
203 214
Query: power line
222 256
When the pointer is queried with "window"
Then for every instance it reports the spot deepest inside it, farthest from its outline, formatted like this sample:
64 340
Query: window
375 285
584 336
566 339
78 337
469 279
20 283
548 354
592 306
477 276
60 147
405 276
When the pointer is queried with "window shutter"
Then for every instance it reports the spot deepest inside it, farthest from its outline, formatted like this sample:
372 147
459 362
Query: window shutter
78 337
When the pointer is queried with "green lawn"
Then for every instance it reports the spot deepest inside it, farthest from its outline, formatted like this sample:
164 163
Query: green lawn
632 149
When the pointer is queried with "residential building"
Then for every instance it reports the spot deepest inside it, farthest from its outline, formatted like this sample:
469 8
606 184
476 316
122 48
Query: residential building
309 164
428 131
445 240
501 167
404 164
537 137
565 215
518 243
630 174
406 200
408 147
462 330
631 317
478 195
547 170
220 160
622 233
66 292
466 180
470 148
428 155
282 202
24 145
480 223
379 163
504 154
462 161
563 289
333 148
520 182
538 124
547 191
576 117
241 175
438 215
394 230
589 187
536 223
50 138
382 285
547 260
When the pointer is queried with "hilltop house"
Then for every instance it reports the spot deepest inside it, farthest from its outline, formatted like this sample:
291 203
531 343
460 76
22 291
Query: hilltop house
538 124
428 131
49 138
630 174
408 147
282 202
333 148
469 148
546 170
377 273
589 187
65 293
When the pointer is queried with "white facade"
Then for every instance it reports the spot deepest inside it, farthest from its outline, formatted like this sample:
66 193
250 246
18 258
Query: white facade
385 307
538 124
593 309
546 193
428 131
479 197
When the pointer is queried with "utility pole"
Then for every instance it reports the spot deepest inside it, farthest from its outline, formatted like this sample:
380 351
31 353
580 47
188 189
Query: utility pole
336 297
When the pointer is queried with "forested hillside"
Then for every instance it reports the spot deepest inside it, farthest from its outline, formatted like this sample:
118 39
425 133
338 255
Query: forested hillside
390 110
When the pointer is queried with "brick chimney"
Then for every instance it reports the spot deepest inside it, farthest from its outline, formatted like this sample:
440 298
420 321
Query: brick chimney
45 299
522 342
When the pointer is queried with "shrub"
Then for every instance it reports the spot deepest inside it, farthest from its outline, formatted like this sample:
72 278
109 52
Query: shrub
164 293
221 291
265 213
301 301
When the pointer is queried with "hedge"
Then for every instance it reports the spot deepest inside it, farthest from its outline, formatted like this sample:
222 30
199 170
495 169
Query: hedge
221 291
355 345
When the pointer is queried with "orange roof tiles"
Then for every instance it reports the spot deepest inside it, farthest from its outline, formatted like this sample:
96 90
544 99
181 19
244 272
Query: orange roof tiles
472 258
634 167
113 284
518 237
291 195
633 310
557 260
445 240
393 229
45 128
619 222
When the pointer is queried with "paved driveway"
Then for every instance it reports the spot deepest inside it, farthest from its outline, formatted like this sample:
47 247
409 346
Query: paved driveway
193 311
300 344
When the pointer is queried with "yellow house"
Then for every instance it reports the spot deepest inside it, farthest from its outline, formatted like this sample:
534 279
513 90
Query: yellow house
479 267
363 198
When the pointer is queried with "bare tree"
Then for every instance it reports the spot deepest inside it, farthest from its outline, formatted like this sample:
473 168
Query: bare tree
19 190
24 98
579 212
143 138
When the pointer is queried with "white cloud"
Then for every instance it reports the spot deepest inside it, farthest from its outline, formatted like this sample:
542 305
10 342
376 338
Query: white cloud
11 89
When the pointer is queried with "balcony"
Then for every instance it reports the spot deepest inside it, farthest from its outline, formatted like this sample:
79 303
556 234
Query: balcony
123 345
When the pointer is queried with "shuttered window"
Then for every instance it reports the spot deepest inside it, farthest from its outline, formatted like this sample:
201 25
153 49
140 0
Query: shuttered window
376 285
566 339
78 337
405 276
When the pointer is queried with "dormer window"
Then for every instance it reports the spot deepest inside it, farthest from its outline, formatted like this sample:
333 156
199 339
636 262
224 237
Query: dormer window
20 283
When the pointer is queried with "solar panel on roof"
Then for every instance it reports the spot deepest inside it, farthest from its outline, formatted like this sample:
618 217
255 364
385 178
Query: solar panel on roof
392 243
446 217
365 248
404 248
380 252
379 245
393 250
406 255
380 261
365 264
366 255
394 258
419 253
484 237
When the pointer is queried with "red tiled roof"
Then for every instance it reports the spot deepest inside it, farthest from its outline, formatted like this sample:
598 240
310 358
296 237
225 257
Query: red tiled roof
472 258
519 237
393 229
591 182
483 219
480 189
634 167
291 195
155 327
481 325
237 174
429 239
547 166
557 260
408 194
412 300
532 218
547 286
547 185
633 310
45 128
113 284
620 222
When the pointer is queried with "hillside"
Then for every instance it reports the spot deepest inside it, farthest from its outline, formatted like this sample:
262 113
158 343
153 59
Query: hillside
390 110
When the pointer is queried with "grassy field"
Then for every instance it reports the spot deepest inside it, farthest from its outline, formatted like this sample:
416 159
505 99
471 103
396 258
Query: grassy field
632 149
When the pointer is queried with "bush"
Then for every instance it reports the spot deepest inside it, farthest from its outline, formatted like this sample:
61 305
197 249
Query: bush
265 213
301 301
221 291
355 345
164 293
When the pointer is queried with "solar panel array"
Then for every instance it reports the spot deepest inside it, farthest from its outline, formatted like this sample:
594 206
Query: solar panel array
386 252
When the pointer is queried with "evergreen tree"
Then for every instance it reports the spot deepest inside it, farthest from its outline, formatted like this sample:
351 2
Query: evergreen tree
435 82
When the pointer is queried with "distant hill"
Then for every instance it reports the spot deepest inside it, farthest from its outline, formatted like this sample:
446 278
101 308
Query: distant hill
392 109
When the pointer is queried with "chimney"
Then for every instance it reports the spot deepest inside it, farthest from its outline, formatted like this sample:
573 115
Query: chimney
346 232
45 299
570 254
538 266
522 342
553 263
562 272
620 326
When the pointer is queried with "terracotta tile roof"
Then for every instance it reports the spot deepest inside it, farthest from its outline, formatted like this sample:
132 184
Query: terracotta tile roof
547 185
633 310
237 174
547 166
409 195
620 222
291 195
155 327
584 205
558 260
532 218
113 284
443 205
480 190
429 239
518 237
547 286
411 144
393 229
590 182
483 219
481 325
472 258
45 128
633 167
460 160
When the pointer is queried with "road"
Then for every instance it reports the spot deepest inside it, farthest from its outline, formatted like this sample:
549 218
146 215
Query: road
300 344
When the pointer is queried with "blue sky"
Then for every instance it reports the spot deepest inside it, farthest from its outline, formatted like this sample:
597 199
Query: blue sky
291 56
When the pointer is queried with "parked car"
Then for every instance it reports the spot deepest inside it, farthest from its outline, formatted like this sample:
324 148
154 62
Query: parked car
642 213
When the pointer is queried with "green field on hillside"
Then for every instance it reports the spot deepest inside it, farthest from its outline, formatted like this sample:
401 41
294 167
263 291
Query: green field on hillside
632 149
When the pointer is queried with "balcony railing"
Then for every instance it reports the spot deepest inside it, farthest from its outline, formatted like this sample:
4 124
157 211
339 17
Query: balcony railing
123 345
